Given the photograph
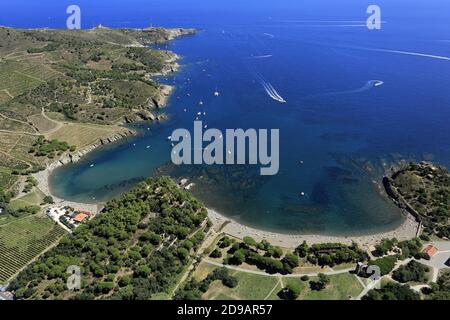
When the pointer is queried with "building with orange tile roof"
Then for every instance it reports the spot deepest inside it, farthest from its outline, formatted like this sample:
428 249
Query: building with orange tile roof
80 217
430 251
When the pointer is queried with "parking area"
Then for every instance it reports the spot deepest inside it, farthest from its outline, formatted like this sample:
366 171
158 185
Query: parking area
441 259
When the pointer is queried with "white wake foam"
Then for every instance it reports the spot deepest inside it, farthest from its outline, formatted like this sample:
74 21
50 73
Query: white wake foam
270 90
409 53
367 86
262 56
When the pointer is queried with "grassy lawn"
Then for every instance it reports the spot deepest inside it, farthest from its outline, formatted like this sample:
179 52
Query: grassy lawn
24 239
82 135
202 271
344 266
341 286
250 287
33 198
43 124
258 287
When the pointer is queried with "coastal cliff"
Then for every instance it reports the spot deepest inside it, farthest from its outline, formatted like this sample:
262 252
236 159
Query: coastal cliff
76 156
80 85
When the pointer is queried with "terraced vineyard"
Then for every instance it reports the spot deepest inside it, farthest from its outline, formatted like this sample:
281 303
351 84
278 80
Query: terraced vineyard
23 240
18 77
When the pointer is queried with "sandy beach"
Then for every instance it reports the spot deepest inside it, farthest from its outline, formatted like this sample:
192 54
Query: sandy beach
42 178
406 231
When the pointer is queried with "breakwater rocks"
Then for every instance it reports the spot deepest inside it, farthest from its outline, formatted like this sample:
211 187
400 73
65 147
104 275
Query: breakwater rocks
398 199
77 155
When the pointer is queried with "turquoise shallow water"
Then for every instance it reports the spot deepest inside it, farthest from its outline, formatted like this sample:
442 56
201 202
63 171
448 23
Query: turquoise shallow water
343 127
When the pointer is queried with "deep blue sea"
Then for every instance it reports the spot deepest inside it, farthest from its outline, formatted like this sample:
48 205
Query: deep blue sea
338 130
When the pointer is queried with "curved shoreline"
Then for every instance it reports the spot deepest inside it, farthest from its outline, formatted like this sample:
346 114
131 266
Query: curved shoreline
406 231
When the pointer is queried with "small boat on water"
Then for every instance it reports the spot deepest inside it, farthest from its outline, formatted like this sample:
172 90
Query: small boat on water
216 93
92 165
200 103
169 138
147 147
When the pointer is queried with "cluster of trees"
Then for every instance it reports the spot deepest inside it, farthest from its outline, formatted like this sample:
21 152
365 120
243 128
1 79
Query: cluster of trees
411 248
385 246
5 195
293 288
331 254
194 290
264 255
6 209
24 211
321 283
439 290
291 291
150 59
406 249
31 182
52 46
413 271
272 258
42 147
126 238
392 291
48 200
34 169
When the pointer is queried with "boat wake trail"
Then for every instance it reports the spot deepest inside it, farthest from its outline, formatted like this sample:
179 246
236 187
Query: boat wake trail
409 53
369 85
269 35
270 90
262 57
250 63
